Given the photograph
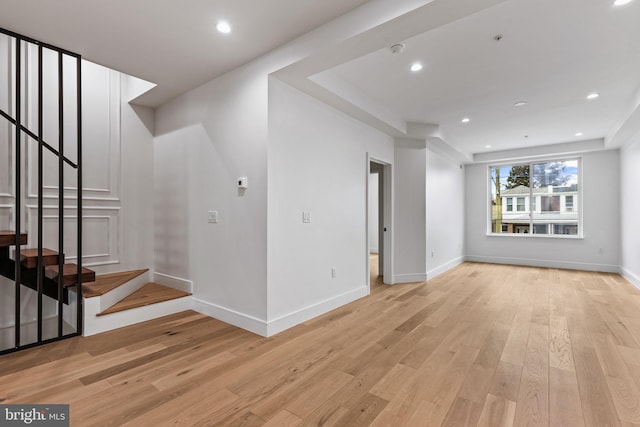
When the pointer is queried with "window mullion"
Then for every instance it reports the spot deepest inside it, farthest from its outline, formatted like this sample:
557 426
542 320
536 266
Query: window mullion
531 198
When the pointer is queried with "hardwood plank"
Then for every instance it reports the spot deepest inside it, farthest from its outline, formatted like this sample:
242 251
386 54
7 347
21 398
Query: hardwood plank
533 397
515 348
29 257
326 415
491 351
8 238
560 352
306 402
506 381
392 383
283 419
497 412
477 383
565 408
597 403
364 411
625 394
151 293
69 274
463 413
189 408
107 282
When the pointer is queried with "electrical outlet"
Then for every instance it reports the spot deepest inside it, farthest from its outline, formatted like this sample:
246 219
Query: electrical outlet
306 217
333 272
213 217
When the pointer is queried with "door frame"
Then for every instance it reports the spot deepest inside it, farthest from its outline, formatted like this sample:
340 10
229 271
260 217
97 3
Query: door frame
387 239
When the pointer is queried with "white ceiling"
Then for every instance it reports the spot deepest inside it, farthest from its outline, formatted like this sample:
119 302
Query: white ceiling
172 43
552 54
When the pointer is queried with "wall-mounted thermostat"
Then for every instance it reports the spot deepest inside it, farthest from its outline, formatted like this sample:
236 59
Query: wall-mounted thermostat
243 182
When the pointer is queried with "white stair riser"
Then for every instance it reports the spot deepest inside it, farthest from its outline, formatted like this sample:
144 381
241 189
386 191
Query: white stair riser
94 324
124 290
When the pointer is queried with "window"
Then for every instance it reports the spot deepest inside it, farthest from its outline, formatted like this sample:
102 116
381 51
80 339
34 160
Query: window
544 195
565 229
568 203
540 228
550 203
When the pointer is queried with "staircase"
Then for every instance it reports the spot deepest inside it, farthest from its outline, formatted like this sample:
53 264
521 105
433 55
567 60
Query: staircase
110 300
29 264
120 299
43 298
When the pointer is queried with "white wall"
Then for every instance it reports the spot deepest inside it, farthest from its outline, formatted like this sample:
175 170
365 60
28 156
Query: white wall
630 209
374 201
429 211
205 140
137 124
410 161
598 250
317 163
445 213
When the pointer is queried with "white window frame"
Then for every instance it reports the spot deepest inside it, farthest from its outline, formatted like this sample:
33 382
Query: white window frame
531 235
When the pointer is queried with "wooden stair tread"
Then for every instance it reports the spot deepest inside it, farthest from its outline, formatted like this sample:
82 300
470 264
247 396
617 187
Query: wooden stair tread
151 293
70 274
29 257
8 238
107 282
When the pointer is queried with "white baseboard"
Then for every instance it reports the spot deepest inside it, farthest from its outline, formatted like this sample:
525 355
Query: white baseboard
409 278
633 278
272 327
235 318
12 325
545 263
444 267
173 282
296 317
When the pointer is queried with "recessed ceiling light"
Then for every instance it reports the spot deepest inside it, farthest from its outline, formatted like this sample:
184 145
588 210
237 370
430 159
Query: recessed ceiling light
465 120
487 146
579 134
593 95
621 2
416 66
223 27
520 104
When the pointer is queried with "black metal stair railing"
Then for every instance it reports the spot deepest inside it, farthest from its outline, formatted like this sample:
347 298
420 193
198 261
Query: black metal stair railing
13 269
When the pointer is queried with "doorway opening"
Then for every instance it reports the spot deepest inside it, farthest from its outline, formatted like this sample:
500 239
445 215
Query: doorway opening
378 224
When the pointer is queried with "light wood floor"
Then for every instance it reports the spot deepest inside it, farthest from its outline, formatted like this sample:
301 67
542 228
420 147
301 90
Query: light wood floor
481 345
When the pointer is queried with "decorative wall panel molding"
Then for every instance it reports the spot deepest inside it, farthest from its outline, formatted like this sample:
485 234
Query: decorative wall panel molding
7 213
6 104
102 244
101 143
7 187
